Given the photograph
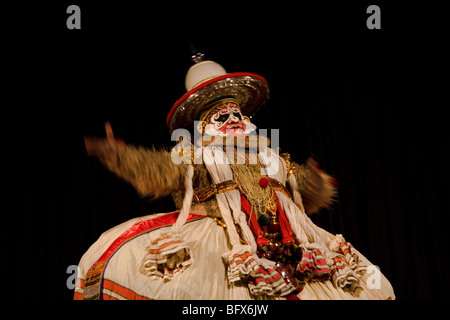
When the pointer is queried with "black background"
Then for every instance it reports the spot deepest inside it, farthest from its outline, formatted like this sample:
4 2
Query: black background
362 102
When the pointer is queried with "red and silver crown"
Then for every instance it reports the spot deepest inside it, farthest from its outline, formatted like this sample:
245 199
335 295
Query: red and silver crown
207 81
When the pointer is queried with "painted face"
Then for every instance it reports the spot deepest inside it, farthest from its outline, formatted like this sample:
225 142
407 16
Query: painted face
227 119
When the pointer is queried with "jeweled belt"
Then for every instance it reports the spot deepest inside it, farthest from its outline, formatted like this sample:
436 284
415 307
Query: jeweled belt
211 190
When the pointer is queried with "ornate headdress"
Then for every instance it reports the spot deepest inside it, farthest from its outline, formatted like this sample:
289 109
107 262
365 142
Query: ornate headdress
207 81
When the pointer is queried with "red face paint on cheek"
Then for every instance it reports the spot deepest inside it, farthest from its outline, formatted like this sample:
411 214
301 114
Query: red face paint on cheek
227 119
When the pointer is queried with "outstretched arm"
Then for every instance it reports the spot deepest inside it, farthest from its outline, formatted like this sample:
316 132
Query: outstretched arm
104 149
150 172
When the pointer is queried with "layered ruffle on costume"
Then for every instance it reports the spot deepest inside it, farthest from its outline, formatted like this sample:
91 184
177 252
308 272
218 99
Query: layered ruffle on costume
167 256
181 256
115 261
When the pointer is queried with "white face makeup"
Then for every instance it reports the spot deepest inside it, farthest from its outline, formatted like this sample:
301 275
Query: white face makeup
227 119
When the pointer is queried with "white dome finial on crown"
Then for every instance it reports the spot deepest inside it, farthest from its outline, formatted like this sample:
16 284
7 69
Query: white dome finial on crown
202 71
208 80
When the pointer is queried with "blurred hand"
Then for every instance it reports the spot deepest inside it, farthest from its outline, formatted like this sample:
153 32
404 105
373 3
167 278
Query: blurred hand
104 149
315 177
313 164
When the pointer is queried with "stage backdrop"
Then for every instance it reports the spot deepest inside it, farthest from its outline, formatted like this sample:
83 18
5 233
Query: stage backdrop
353 98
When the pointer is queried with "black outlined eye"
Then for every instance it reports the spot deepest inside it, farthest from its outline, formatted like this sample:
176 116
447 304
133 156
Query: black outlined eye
222 118
237 115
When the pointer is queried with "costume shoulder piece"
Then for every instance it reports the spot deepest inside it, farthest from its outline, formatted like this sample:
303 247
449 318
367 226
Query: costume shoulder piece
150 172
318 189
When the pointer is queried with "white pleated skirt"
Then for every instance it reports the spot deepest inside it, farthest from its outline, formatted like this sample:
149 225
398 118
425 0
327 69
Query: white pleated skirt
204 279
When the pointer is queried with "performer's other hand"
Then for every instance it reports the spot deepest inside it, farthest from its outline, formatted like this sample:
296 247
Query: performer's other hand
311 163
315 171
105 149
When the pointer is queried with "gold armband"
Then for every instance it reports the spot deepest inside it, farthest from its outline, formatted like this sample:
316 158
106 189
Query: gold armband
289 165
185 156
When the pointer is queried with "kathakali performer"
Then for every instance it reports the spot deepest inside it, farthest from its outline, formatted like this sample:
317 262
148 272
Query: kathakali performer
241 229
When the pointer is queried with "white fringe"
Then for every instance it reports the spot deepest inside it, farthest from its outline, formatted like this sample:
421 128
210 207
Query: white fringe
178 253
215 163
305 231
229 202
296 196
187 201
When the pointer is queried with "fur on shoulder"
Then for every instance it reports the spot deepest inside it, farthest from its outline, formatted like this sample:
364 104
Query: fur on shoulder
150 171
318 189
